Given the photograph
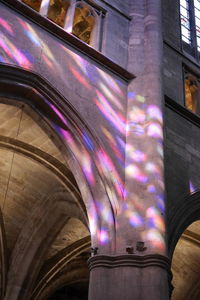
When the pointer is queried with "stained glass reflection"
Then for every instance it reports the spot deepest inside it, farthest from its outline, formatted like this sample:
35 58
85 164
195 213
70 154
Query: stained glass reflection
84 22
35 4
58 10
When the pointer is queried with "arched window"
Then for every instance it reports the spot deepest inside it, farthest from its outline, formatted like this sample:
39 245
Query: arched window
35 4
57 11
85 21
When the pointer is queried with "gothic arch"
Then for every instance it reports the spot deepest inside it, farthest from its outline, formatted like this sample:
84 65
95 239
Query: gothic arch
45 222
30 88
182 216
56 276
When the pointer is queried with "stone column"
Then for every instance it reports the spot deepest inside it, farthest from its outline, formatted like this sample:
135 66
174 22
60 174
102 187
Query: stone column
139 268
128 277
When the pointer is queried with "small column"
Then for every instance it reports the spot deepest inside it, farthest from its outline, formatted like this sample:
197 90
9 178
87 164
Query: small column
128 277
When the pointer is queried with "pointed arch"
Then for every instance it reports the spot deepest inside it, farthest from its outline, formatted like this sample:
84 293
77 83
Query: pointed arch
182 216
79 146
44 223
63 258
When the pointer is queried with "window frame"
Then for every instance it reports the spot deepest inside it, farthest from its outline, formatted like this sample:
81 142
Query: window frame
68 23
188 71
192 47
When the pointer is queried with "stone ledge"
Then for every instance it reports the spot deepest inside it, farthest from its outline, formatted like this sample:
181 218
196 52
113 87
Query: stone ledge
133 261
69 39
129 260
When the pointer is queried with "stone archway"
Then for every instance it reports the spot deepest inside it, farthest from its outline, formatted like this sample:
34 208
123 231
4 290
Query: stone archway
181 217
42 136
184 242
186 264
81 148
44 220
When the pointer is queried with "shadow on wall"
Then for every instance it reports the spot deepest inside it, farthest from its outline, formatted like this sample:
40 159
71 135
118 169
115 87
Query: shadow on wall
74 292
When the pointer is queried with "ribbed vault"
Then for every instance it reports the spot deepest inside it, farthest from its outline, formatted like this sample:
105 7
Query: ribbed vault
44 224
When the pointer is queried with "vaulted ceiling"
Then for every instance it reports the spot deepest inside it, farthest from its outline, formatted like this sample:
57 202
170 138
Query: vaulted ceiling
186 265
43 223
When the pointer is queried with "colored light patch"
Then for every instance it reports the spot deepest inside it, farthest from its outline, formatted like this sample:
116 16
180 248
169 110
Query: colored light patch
105 161
106 164
192 188
110 82
47 61
154 113
131 96
114 201
160 150
92 224
107 216
138 156
31 33
103 236
161 203
121 142
155 219
119 186
136 220
112 143
156 239
140 99
134 127
134 172
82 155
110 95
79 77
14 53
125 193
155 130
88 141
117 120
137 115
6 26
151 168
79 61
58 113
3 59
86 164
66 135
138 203
129 149
4 46
151 212
151 188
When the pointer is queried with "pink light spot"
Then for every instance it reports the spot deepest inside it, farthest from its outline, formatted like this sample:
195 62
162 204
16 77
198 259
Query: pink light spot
155 130
103 236
80 78
5 25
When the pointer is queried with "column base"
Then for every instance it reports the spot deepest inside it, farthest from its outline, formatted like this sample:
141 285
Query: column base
129 277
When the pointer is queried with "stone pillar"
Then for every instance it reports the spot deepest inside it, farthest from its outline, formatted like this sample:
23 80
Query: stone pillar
138 268
128 277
